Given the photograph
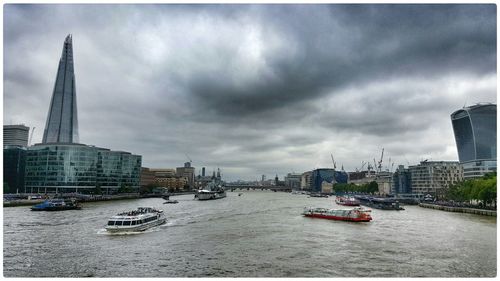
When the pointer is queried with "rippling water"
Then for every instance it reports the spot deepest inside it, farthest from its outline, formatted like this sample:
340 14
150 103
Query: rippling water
258 234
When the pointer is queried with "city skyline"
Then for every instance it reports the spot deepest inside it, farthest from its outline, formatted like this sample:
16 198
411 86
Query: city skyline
257 89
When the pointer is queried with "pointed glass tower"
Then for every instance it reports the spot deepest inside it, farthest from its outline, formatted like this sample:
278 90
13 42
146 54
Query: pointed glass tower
62 119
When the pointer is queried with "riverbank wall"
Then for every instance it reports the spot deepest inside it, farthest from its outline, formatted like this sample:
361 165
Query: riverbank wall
459 209
26 202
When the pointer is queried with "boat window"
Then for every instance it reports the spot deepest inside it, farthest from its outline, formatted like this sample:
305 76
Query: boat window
111 222
133 222
126 223
119 222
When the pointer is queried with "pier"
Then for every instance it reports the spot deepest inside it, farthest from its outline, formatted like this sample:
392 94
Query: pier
459 209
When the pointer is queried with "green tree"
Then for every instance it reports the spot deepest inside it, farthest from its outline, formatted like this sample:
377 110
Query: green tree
372 187
482 189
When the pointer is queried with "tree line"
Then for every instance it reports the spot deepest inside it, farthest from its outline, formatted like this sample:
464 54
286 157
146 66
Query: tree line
483 190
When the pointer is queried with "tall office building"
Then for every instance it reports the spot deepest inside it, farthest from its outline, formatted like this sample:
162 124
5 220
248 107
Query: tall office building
62 119
323 179
15 135
475 129
187 172
14 162
401 181
15 141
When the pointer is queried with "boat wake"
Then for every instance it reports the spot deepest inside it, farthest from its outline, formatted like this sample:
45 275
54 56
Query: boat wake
103 231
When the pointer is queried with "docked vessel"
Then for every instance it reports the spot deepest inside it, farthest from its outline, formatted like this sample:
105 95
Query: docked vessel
380 203
138 220
318 195
213 190
57 205
346 201
205 194
355 215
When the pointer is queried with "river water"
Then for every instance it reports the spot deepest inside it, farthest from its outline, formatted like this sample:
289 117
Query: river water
258 234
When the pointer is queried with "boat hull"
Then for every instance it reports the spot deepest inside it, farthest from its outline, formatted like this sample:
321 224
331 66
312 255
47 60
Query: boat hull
328 217
53 209
57 205
352 204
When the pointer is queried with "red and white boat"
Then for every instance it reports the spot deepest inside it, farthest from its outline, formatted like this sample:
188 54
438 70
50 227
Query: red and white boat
356 215
347 201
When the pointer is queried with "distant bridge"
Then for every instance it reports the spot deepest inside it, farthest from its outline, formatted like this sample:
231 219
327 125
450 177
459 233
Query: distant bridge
233 187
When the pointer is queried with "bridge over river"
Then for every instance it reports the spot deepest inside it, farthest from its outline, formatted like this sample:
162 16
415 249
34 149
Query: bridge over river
233 187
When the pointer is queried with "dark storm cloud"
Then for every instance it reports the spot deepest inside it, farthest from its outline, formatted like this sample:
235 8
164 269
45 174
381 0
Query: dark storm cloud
256 89
332 47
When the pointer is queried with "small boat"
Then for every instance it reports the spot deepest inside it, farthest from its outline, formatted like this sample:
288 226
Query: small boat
171 202
57 205
138 220
239 194
355 215
318 195
347 201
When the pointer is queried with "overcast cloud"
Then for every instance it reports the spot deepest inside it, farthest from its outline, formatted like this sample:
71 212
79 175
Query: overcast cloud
256 89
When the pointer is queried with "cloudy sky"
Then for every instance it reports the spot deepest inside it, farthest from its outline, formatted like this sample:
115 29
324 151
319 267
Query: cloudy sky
256 89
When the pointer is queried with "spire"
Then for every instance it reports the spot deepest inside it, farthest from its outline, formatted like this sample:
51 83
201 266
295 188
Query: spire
62 118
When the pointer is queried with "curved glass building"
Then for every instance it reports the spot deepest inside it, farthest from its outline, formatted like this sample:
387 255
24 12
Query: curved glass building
475 129
71 167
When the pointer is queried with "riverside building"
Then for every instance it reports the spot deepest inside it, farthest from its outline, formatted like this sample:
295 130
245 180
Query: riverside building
187 172
62 165
430 177
306 180
80 168
15 141
475 129
15 135
323 179
401 181
293 180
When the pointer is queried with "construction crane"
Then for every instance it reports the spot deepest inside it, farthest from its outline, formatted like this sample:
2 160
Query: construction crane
363 163
380 162
190 161
31 137
333 161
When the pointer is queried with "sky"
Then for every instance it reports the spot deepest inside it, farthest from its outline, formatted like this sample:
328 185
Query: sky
256 89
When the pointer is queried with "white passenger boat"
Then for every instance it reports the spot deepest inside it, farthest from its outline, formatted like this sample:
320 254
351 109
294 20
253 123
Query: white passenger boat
137 220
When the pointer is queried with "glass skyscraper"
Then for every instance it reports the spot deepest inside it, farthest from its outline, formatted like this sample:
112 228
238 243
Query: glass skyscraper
62 119
475 129
60 164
